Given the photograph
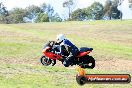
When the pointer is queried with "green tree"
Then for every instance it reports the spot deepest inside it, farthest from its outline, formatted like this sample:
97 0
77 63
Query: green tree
56 18
3 13
70 5
111 11
88 11
43 7
17 15
115 13
49 10
42 17
3 10
79 15
32 12
45 18
107 8
97 10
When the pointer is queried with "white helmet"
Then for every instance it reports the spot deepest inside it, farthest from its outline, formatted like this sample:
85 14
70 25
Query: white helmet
60 37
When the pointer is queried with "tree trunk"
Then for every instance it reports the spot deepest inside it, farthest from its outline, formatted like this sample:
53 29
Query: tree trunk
69 13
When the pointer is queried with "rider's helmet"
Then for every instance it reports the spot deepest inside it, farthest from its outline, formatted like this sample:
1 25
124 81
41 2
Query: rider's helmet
60 38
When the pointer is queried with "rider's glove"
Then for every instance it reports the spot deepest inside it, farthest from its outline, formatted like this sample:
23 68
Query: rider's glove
53 51
57 53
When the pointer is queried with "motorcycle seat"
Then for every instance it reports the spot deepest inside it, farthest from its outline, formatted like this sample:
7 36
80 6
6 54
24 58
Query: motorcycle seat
85 49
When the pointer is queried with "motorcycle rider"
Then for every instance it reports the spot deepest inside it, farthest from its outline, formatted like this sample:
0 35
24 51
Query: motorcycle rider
66 45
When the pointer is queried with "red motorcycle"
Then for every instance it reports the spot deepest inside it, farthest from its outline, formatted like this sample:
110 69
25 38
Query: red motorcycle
82 59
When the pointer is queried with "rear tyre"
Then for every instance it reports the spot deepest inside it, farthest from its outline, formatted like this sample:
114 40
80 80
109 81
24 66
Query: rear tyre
89 62
92 61
65 63
45 61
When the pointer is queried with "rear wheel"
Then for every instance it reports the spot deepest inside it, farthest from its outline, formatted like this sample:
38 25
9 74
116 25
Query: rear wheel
45 61
88 62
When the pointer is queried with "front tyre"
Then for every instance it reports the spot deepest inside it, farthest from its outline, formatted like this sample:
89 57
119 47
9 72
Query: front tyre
45 61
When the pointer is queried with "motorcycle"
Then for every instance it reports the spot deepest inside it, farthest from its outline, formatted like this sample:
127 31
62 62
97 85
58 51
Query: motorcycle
82 59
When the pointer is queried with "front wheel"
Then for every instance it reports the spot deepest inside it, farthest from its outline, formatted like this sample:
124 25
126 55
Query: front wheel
45 61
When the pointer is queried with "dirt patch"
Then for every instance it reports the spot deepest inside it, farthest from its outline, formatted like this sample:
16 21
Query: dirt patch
13 34
108 64
114 64
19 61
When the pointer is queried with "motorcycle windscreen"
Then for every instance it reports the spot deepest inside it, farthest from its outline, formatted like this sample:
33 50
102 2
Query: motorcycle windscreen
49 44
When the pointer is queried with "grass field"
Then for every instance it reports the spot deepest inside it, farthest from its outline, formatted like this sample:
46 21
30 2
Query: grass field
21 45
